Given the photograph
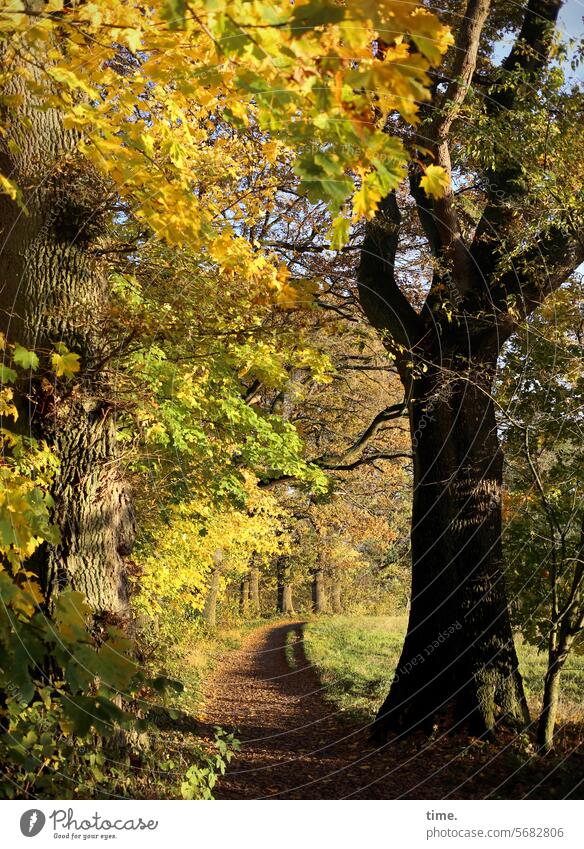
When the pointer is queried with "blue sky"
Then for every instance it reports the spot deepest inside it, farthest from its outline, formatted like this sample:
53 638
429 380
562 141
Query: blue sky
570 24
571 18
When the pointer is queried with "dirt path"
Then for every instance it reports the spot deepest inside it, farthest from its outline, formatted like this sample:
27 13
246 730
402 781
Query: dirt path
294 746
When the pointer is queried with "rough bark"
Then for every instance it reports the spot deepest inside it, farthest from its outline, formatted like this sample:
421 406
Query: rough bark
53 288
458 658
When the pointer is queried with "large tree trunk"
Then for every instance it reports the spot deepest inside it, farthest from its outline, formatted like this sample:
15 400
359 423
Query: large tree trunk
254 591
285 603
319 599
458 658
54 290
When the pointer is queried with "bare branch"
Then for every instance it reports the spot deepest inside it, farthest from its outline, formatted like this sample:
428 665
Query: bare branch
308 247
383 302
365 460
333 461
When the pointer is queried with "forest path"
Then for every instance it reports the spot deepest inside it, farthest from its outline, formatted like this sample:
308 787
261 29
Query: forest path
294 745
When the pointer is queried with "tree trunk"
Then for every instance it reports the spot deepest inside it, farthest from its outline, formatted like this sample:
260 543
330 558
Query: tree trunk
458 657
336 597
54 289
319 600
254 591
284 590
210 610
547 719
560 643
287 603
244 597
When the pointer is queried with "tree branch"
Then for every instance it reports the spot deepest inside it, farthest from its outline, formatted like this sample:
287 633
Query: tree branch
531 50
366 459
438 217
332 461
445 217
383 302
530 54
308 247
350 459
554 257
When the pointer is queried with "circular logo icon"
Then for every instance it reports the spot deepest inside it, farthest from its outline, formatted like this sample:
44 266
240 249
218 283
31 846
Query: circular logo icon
32 822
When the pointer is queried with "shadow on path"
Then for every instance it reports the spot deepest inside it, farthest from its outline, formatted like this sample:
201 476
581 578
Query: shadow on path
293 742
294 745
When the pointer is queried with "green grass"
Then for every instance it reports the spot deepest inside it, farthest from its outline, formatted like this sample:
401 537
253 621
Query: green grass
356 657
533 666
290 649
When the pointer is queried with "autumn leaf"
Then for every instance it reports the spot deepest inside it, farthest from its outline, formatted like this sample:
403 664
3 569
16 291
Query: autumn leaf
435 181
366 201
339 234
64 362
9 187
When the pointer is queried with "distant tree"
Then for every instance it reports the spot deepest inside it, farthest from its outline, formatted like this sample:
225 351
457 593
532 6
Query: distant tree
284 580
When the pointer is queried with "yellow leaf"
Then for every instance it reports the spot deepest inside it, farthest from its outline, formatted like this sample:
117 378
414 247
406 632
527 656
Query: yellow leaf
65 363
71 80
133 38
339 234
365 201
435 181
9 187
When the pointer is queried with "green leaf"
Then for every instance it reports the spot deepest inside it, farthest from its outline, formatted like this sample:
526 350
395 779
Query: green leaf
24 358
71 612
7 375
162 684
340 232
84 712
115 669
315 14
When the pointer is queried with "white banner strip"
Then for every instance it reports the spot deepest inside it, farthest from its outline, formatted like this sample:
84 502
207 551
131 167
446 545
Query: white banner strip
280 824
